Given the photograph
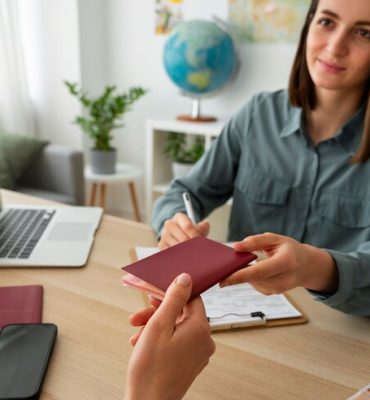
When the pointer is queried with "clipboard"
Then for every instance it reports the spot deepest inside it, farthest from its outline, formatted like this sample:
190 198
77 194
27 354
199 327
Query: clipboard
242 306
255 318
258 319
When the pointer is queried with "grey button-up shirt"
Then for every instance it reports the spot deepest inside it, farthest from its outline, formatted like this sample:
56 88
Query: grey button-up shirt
280 182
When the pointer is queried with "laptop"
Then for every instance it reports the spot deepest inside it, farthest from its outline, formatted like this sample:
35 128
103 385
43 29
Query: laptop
50 236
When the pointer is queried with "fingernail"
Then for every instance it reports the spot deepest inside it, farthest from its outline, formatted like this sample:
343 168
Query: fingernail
184 279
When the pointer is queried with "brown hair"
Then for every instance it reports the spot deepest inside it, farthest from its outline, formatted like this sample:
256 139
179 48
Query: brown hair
302 89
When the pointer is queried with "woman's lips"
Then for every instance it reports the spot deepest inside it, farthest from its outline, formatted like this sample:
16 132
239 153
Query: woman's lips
330 67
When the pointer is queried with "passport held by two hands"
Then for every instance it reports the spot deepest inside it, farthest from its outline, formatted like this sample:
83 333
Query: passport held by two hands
208 262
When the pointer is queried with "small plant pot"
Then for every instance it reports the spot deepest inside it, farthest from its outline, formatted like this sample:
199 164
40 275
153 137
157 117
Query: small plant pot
103 161
180 169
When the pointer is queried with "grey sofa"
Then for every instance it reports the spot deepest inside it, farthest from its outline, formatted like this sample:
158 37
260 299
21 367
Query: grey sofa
57 174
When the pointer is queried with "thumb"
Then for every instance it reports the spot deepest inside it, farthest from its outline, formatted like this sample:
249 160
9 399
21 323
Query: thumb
175 299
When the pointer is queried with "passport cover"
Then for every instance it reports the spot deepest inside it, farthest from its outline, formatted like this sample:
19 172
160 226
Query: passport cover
20 304
207 261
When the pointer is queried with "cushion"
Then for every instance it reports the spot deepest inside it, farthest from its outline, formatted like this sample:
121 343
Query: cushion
16 153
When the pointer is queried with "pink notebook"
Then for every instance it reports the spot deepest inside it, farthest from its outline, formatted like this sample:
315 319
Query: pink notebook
208 262
21 304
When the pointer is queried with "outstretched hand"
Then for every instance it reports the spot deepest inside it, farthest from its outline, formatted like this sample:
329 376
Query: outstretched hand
172 348
288 264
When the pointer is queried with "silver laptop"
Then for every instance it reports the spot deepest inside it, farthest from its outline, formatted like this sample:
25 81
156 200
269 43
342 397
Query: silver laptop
32 236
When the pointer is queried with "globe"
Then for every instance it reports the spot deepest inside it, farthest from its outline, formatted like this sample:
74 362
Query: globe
200 58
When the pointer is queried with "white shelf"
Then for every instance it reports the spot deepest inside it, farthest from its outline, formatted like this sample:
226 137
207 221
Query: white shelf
158 168
191 128
161 188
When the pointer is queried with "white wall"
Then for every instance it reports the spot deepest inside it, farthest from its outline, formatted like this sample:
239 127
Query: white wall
50 33
112 41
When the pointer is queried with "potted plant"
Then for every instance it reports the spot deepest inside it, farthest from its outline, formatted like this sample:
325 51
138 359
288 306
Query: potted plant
103 114
184 151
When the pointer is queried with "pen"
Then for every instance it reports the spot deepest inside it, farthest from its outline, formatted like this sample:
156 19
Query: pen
189 207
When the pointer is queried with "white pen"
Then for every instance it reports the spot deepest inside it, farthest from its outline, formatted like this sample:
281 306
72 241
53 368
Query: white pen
189 207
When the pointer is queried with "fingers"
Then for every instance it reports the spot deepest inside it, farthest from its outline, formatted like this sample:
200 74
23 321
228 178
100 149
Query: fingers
154 302
175 299
135 337
142 317
258 242
258 272
271 286
185 225
196 306
179 229
203 228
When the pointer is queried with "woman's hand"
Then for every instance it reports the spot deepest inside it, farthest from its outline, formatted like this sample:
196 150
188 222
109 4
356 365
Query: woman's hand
288 264
179 229
173 347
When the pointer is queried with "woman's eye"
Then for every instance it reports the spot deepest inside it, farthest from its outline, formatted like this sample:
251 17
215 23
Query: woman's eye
363 33
325 22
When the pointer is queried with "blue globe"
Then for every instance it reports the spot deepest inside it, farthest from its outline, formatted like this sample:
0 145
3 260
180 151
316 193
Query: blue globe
200 57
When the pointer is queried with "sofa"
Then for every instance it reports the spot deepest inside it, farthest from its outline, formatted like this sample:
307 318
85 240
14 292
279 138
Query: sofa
56 174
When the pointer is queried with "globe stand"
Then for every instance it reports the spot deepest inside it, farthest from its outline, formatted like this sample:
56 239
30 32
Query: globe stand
195 114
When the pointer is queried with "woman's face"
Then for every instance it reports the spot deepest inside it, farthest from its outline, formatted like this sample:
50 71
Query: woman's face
338 45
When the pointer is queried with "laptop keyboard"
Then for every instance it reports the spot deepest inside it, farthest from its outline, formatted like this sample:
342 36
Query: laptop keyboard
21 229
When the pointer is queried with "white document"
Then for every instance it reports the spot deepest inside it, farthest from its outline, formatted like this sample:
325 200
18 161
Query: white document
238 305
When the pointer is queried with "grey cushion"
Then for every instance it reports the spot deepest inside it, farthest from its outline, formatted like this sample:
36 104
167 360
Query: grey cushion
57 174
16 154
47 194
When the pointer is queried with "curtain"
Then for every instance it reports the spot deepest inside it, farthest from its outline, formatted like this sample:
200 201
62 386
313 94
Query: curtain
16 113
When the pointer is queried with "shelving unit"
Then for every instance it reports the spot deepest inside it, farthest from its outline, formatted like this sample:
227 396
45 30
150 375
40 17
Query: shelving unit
158 167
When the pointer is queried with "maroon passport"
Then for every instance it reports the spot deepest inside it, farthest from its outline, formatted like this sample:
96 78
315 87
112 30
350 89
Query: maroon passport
20 304
208 262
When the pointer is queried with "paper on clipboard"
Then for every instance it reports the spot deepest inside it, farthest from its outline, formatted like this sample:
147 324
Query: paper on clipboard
235 306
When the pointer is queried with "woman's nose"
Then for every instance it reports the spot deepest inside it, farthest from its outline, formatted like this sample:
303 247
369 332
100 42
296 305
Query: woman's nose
337 44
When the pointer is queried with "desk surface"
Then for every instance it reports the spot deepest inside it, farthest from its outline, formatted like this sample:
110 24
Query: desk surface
327 358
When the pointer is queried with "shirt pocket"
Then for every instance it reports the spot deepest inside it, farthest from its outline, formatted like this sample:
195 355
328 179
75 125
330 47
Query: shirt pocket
348 212
262 188
261 202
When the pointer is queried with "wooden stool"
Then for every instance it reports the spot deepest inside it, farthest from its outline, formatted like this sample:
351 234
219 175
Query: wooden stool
125 173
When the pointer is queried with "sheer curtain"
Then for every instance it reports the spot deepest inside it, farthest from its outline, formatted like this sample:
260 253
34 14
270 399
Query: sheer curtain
16 113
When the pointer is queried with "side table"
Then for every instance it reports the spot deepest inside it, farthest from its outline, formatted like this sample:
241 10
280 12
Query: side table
125 173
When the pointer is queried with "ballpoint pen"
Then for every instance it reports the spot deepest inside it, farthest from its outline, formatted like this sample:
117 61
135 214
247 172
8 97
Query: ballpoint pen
189 207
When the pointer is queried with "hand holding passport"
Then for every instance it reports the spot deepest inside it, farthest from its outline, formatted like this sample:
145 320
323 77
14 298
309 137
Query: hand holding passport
208 262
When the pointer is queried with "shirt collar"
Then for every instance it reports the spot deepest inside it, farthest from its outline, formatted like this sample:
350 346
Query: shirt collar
293 122
349 136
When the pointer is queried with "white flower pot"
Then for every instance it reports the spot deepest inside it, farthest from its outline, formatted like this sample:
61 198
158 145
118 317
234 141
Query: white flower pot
180 169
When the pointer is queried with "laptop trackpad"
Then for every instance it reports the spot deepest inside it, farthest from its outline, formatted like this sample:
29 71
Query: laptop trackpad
70 232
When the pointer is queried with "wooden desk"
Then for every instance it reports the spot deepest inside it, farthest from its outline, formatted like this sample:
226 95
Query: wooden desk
327 358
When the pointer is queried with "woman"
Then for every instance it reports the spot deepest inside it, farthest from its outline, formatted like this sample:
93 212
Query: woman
296 164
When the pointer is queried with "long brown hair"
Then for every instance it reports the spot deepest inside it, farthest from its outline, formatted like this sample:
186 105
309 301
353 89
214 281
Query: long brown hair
302 89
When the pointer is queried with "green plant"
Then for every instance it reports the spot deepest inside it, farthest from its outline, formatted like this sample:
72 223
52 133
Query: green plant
103 113
179 149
